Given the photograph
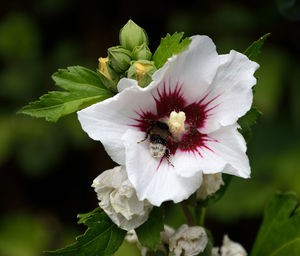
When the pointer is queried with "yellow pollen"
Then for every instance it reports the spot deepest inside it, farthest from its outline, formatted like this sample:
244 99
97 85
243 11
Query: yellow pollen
176 123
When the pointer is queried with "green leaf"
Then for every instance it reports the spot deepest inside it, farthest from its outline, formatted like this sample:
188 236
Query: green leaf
279 234
102 237
149 232
84 217
170 45
253 50
248 121
83 88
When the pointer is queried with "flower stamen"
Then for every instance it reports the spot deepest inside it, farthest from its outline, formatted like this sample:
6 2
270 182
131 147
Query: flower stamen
176 123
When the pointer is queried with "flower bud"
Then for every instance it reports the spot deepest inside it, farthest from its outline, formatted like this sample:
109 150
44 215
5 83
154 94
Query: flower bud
142 71
107 75
188 241
211 183
141 52
132 35
119 58
232 248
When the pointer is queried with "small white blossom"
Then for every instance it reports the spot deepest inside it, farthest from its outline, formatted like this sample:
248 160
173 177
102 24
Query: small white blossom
229 248
215 251
188 241
131 237
211 183
117 197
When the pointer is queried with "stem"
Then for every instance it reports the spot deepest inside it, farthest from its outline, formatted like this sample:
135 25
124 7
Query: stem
187 214
202 217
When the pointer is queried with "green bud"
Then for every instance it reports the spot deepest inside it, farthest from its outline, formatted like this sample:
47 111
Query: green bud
132 35
107 75
142 71
141 52
119 58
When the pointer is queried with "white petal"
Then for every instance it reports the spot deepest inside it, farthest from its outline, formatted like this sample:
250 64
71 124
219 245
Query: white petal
188 241
108 120
226 155
231 147
152 183
230 94
230 248
125 83
195 68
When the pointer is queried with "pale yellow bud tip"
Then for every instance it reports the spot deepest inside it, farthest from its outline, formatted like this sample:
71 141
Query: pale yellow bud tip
176 123
141 70
103 67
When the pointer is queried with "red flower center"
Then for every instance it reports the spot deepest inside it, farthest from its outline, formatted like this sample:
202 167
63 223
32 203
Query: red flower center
192 140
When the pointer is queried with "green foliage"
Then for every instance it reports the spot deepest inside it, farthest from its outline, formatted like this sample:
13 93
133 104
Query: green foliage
128 248
279 234
248 121
149 232
102 237
19 37
253 50
83 88
83 217
170 45
23 234
157 253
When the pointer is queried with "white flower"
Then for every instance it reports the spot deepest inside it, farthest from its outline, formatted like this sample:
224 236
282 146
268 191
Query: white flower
117 197
211 183
208 92
188 241
229 248
215 251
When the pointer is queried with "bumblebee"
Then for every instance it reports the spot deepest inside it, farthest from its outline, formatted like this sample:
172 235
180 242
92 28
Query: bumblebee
159 133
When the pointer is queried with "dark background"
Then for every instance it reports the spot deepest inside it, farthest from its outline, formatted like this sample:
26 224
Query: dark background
47 169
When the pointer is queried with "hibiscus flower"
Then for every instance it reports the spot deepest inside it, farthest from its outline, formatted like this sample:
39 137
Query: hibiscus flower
189 116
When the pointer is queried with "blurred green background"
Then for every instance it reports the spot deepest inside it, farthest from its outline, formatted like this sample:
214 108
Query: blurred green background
47 169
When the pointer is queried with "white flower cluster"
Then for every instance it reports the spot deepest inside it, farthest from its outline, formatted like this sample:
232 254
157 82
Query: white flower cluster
185 241
188 241
117 197
173 138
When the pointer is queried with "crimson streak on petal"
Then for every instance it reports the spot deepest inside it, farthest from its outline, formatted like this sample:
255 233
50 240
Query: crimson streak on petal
169 101
192 140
